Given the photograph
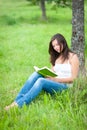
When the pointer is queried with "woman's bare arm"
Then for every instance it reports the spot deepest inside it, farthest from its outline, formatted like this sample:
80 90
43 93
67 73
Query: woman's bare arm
74 61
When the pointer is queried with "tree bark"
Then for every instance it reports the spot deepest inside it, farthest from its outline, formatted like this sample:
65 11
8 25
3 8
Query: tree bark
78 37
42 5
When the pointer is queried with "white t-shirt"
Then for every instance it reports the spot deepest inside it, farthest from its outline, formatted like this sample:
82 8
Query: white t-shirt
63 70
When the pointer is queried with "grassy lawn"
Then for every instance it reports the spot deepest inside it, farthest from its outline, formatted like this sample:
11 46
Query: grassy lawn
24 40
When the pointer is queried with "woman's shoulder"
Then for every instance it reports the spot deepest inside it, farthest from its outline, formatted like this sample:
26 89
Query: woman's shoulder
73 57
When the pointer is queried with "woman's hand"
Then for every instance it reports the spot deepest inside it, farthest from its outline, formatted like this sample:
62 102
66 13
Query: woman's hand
51 78
61 80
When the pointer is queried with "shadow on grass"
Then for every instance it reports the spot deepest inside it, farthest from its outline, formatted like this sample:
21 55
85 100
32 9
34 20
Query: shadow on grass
11 20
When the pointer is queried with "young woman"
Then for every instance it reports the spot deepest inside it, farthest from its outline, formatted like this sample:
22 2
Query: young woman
64 62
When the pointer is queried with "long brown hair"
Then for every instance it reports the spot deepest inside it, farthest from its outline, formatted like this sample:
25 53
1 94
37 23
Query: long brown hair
54 54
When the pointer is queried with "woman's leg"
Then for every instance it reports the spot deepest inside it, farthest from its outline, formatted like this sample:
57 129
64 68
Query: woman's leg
28 85
41 83
52 87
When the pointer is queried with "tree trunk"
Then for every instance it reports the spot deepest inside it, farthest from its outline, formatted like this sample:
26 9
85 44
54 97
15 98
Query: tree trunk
42 5
78 37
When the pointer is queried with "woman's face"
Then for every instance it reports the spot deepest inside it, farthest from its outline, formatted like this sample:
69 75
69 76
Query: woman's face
56 46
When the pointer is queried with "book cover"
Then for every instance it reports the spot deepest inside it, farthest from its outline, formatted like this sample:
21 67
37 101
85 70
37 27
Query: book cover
45 71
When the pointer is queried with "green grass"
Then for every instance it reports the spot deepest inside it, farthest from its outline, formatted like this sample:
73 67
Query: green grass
24 40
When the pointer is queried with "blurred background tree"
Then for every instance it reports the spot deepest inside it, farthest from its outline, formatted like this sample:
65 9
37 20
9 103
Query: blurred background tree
55 3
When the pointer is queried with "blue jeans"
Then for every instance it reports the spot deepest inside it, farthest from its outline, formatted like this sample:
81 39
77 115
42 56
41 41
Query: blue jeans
34 85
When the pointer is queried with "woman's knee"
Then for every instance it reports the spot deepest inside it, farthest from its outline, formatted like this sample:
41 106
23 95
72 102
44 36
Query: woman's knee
34 75
40 82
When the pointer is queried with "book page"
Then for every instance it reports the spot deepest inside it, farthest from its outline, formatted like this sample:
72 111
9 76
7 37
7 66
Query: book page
36 68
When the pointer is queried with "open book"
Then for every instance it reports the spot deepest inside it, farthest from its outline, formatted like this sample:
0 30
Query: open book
45 71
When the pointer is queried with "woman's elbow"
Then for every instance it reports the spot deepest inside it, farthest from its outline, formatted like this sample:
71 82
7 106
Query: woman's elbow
73 78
